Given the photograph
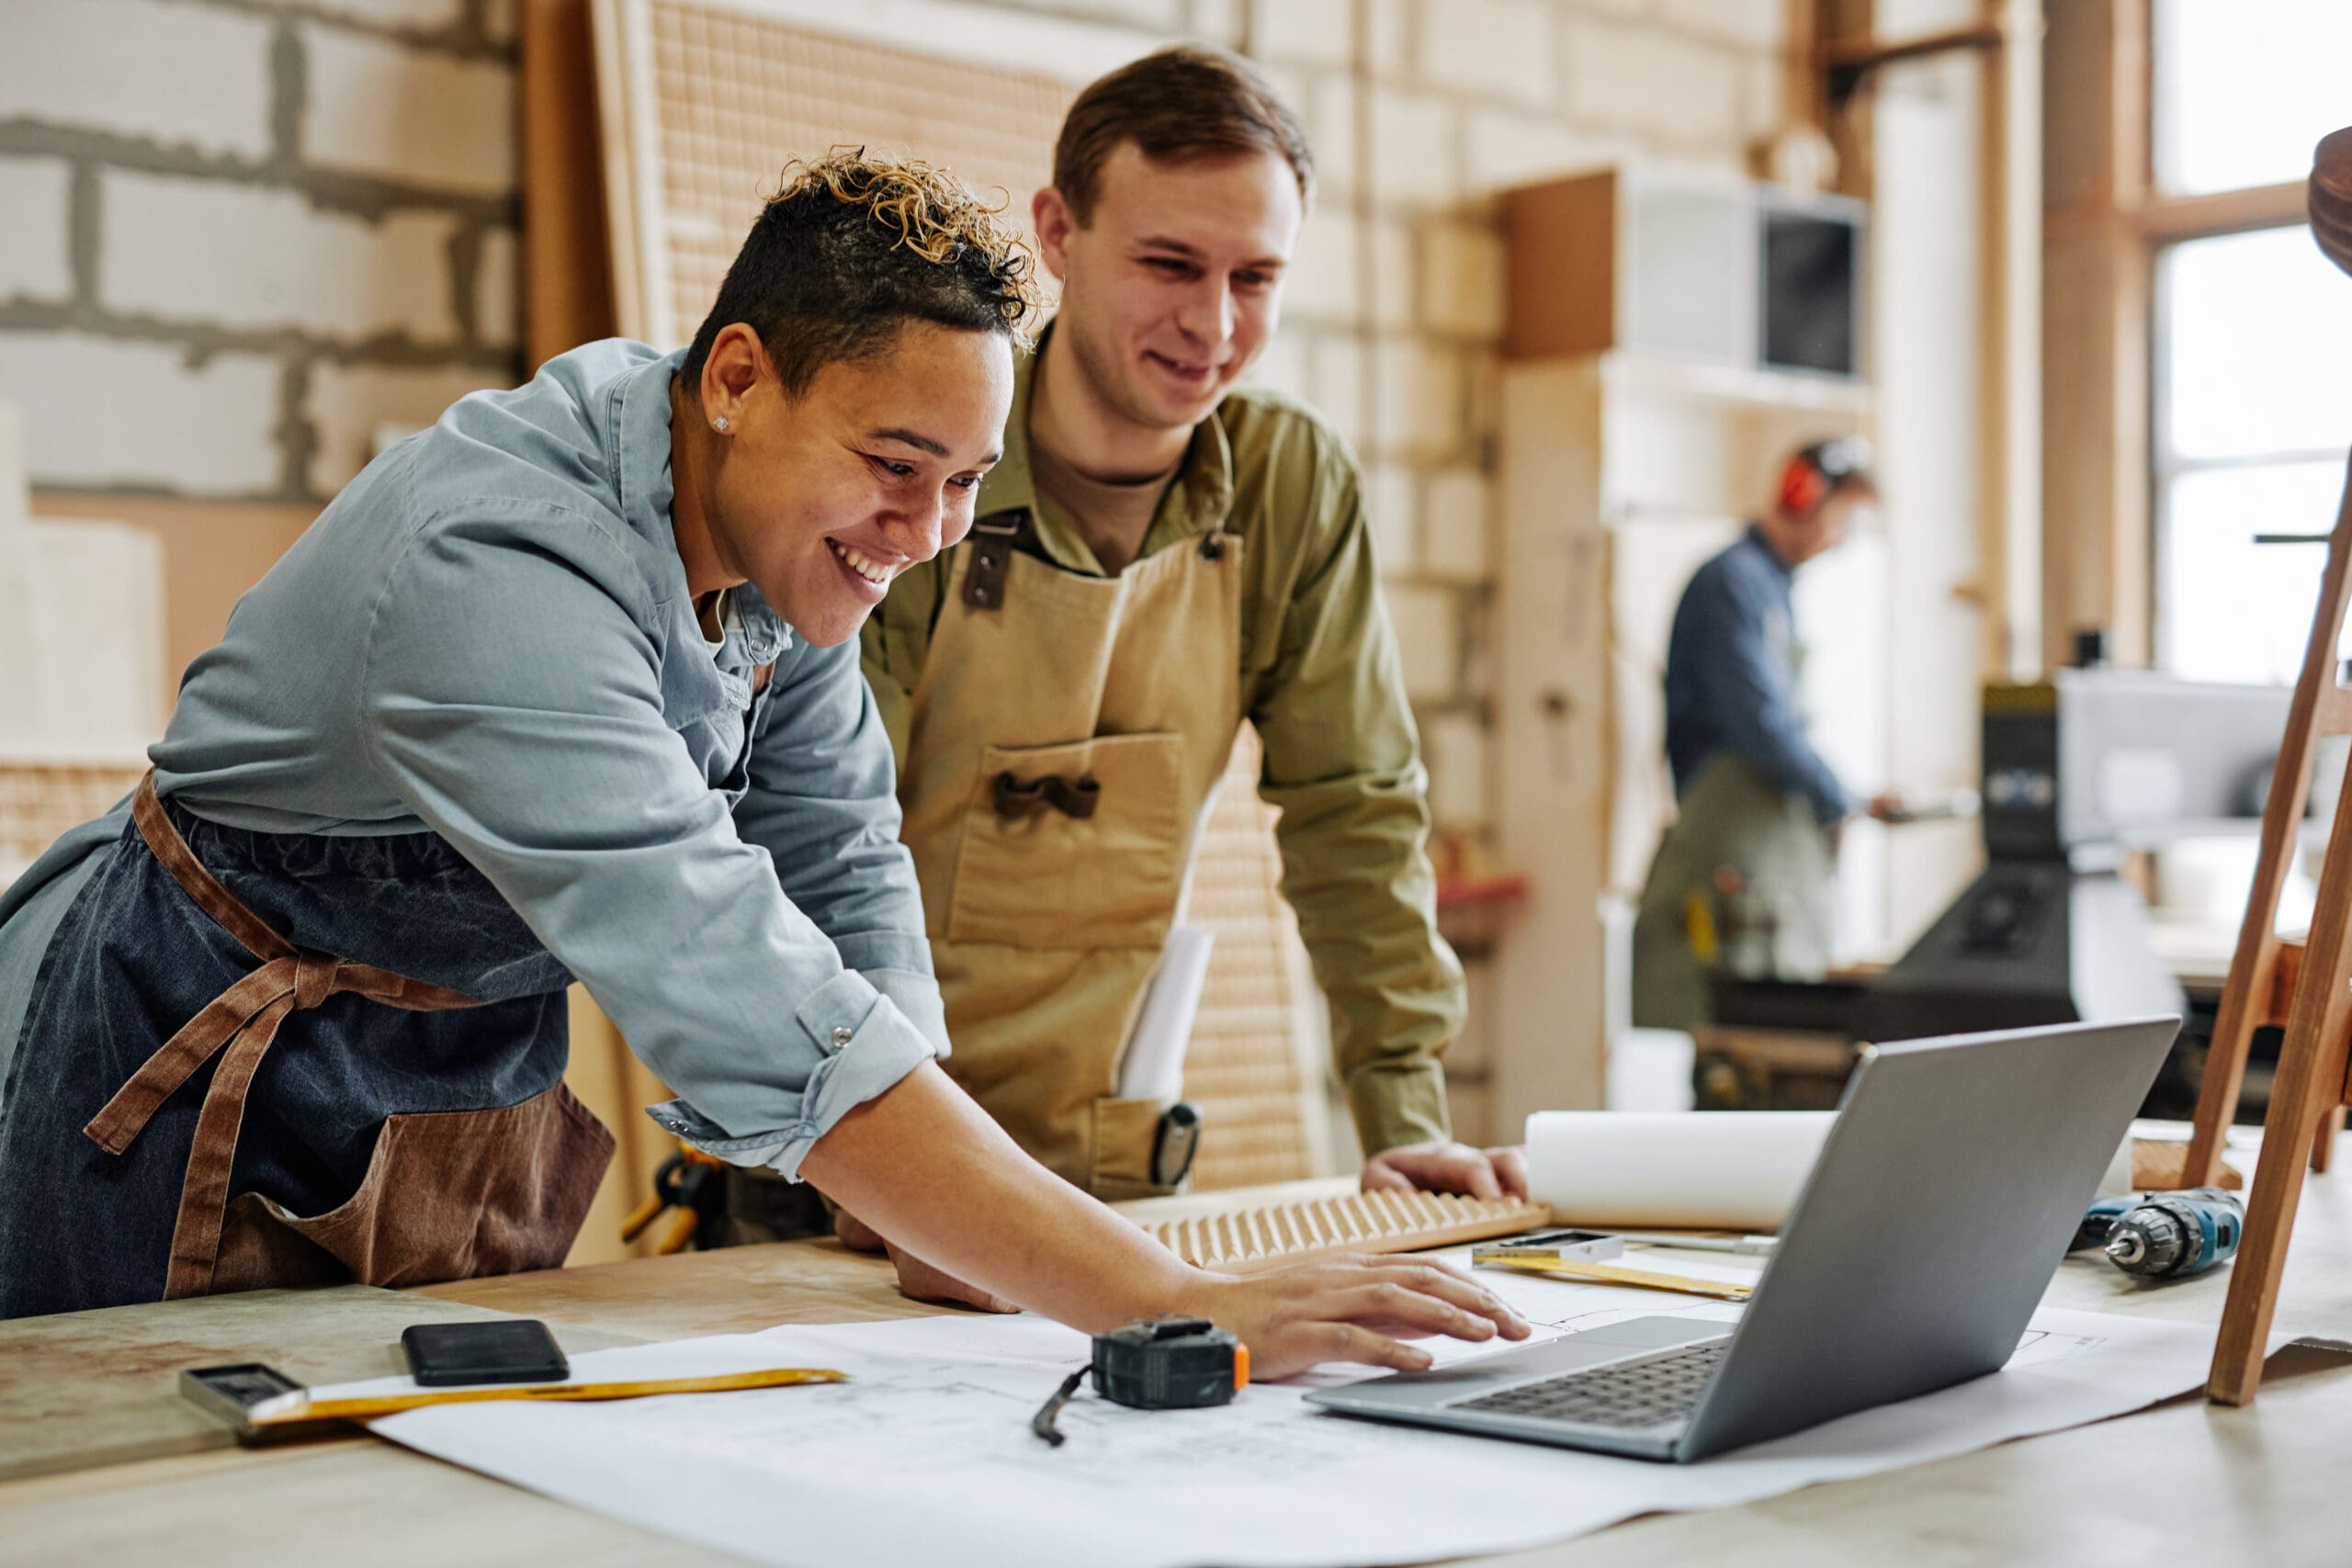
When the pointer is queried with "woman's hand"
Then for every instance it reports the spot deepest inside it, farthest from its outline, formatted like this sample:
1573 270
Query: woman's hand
1349 1309
925 1167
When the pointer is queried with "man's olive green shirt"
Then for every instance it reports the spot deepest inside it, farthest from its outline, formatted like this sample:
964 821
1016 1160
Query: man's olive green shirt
1321 682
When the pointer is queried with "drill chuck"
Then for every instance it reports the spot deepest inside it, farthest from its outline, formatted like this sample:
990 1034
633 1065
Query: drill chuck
2168 1235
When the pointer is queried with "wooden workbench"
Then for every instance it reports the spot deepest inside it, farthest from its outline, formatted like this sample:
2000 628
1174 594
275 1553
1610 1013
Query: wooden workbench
2186 1481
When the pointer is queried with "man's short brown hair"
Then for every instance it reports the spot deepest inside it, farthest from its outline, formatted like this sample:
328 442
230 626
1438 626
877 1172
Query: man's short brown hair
1180 104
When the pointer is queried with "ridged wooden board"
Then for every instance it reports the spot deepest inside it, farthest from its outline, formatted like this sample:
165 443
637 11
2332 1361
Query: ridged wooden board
1266 1235
1254 1066
41 798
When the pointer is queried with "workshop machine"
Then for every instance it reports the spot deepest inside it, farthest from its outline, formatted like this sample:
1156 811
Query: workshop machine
2079 770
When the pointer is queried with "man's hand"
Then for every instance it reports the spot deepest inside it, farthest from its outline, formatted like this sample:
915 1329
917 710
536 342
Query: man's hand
1448 1167
918 1280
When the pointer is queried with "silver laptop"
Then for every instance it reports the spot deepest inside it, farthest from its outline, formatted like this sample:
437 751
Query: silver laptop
1943 1199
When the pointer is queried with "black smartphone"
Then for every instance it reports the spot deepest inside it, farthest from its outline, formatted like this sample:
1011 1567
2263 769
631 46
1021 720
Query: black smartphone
509 1351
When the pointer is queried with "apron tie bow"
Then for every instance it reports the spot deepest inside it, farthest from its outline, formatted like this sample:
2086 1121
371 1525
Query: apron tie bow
237 1026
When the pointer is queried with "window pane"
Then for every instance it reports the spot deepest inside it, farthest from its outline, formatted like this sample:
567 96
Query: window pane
2244 87
2234 610
2256 334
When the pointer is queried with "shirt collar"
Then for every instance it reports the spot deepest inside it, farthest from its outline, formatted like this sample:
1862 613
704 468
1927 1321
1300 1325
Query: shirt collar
1199 500
640 458
1756 536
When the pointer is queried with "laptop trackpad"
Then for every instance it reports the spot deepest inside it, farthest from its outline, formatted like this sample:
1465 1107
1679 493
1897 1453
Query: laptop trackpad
1482 1374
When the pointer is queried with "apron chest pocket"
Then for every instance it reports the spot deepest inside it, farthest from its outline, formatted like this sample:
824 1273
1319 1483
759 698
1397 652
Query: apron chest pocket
1078 845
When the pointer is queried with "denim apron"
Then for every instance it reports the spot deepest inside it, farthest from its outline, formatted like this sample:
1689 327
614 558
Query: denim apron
256 1060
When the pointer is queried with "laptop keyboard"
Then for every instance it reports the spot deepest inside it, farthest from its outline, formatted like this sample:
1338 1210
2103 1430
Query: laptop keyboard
1641 1392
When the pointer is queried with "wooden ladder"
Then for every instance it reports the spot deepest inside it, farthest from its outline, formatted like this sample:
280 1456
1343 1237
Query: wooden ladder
2309 1095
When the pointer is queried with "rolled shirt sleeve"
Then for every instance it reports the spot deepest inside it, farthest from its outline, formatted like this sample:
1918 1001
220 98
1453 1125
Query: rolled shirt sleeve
823 803
538 744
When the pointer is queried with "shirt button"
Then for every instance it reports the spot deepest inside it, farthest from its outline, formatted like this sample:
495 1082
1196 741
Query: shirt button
842 1035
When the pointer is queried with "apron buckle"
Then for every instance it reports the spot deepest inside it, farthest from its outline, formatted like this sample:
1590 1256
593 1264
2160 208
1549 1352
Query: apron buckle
990 563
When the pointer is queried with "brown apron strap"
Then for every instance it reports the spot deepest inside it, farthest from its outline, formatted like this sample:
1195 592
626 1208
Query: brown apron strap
204 1191
243 1019
168 847
992 546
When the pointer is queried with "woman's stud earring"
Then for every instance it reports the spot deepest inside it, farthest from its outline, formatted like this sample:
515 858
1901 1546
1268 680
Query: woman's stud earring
719 424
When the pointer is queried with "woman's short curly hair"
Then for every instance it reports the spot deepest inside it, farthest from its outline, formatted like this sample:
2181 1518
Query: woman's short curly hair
855 245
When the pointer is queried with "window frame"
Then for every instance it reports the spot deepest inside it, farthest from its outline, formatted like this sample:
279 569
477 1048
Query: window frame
2162 221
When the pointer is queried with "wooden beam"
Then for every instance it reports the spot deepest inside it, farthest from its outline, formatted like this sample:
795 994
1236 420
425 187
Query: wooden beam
567 257
2165 219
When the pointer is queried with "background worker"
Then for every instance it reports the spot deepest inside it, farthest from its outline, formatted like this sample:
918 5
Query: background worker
1162 556
1749 865
567 687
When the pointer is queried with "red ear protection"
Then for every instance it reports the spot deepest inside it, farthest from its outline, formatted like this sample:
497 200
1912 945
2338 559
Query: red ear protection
1802 486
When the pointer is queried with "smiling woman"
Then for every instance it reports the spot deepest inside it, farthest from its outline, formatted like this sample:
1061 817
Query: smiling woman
488 729
840 402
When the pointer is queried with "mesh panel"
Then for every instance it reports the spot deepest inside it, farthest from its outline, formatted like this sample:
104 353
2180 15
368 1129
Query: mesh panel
736 96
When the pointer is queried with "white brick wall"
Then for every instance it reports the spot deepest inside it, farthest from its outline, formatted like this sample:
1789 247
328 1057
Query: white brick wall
1653 83
1389 508
34 260
498 284
1281 364
347 406
1428 640
1392 37
1335 386
414 16
1420 401
1753 24
1218 21
188 77
199 250
1392 277
1456 525
1320 284
1492 46
379 107
1329 109
1413 147
1454 747
1461 280
139 415
1502 148
1312 32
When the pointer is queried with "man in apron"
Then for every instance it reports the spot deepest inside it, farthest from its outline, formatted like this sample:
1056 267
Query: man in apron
1162 556
1744 878
567 687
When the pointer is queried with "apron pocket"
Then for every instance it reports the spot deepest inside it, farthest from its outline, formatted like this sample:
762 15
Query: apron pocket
448 1195
1080 845
1125 1133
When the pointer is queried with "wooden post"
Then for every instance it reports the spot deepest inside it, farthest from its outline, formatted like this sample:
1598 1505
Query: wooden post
2307 1098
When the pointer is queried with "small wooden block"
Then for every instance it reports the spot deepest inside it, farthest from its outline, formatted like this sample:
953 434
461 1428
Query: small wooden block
1267 1236
2156 1167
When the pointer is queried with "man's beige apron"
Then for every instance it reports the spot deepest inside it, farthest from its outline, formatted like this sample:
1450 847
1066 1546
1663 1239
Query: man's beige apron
1064 740
1743 881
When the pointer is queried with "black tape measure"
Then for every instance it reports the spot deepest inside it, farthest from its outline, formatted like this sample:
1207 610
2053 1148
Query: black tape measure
1160 1363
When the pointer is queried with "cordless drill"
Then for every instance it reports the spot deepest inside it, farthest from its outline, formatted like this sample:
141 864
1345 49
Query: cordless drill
2164 1236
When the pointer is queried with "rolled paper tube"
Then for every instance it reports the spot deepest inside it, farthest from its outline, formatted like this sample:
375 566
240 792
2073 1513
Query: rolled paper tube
1688 1170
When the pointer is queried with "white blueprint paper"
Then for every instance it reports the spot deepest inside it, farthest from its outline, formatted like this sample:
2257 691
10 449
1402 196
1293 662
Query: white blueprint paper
926 1456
